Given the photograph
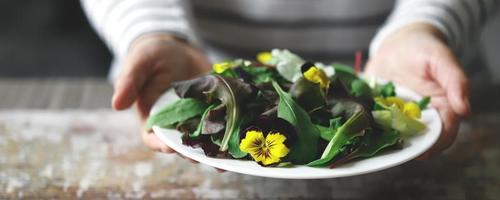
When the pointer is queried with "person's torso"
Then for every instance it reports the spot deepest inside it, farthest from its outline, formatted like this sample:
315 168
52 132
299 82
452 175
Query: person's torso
318 29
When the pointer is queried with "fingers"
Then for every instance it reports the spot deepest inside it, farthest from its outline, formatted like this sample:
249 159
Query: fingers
130 81
153 142
451 122
447 72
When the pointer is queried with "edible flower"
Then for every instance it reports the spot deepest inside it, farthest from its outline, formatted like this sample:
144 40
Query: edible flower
266 150
315 75
220 68
410 109
264 57
268 139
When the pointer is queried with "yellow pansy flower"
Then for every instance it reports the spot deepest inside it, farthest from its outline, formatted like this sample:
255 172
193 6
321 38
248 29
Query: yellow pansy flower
317 75
266 150
264 57
410 109
220 68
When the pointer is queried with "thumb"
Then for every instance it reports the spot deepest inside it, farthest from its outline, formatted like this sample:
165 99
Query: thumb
447 72
130 81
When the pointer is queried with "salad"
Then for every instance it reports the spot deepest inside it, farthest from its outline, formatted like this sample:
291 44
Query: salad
282 110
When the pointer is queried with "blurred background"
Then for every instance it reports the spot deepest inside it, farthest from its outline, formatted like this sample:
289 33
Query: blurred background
54 39
49 39
59 139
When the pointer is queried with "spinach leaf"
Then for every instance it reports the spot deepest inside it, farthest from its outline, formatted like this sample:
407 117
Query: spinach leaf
360 88
308 95
354 127
376 142
367 146
327 133
234 140
260 74
175 112
386 90
345 73
232 93
305 148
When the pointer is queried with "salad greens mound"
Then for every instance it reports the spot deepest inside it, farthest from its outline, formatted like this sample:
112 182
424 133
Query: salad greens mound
282 110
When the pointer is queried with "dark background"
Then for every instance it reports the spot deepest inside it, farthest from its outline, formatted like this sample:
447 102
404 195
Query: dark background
50 38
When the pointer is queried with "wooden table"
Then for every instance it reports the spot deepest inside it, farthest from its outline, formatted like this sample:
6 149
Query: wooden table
59 139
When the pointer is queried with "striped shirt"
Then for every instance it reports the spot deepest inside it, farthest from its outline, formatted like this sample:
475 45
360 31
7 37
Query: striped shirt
318 29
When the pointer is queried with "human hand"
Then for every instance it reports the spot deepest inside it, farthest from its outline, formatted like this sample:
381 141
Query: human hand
152 63
417 57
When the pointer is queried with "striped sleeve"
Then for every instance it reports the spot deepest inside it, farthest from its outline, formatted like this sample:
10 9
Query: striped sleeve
459 20
120 22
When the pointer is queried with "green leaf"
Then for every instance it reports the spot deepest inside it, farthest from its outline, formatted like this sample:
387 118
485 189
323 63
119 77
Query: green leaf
407 126
327 133
178 111
360 88
234 140
284 164
375 143
386 90
306 147
308 95
345 73
354 127
261 74
199 129
424 102
366 146
232 93
383 118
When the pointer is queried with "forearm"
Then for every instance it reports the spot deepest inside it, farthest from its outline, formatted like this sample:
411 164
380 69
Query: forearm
120 22
460 21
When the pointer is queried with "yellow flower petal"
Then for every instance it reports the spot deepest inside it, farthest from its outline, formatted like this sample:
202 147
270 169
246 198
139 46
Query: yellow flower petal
252 142
411 109
400 103
221 67
317 75
267 150
264 57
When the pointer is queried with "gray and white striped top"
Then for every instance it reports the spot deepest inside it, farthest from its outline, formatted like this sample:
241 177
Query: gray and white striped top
317 29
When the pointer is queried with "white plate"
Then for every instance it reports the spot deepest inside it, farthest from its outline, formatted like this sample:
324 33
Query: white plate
414 147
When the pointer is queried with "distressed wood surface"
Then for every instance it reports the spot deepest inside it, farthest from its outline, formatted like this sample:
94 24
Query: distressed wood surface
79 148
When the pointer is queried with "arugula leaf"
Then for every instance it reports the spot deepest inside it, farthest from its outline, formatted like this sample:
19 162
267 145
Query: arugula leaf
305 148
229 91
175 112
354 127
199 129
424 102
